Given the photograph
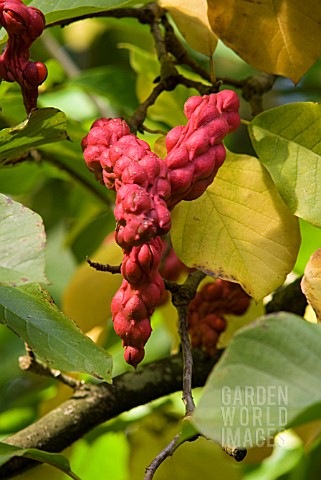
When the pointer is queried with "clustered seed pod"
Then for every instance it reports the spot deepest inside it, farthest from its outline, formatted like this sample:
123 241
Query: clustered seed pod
127 165
137 298
207 309
196 151
23 24
147 188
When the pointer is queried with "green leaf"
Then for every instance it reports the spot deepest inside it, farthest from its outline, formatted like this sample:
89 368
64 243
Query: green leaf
311 241
54 338
287 141
22 235
56 10
268 375
45 125
115 83
115 464
239 229
58 461
288 457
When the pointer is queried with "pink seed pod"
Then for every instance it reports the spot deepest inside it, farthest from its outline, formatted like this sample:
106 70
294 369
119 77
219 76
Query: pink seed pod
207 309
146 189
24 25
137 298
195 152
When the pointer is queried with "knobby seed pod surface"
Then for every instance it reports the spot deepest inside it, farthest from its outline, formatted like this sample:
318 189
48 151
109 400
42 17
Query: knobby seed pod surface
207 309
23 24
147 188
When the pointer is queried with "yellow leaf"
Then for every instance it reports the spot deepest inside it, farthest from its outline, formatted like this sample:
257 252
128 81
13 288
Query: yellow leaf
160 147
311 282
192 21
280 37
239 229
88 296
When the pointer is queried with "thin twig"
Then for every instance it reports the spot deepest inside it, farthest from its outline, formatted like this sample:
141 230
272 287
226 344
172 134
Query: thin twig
254 88
181 299
138 117
143 14
165 453
150 130
200 87
29 363
94 404
104 267
174 46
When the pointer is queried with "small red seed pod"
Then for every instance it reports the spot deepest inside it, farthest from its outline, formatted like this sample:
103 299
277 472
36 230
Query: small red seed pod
206 312
24 24
195 152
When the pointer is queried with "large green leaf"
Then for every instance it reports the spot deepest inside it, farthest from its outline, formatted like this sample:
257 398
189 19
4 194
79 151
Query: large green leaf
45 125
287 141
117 84
22 241
239 229
269 374
56 10
58 461
31 314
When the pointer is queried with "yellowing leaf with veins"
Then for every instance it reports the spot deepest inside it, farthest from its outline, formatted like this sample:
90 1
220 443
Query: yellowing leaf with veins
239 229
192 21
280 37
311 282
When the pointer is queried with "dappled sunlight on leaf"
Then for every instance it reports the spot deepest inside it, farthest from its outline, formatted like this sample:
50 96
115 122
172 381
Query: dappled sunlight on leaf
239 229
192 21
23 238
43 126
279 353
275 37
32 315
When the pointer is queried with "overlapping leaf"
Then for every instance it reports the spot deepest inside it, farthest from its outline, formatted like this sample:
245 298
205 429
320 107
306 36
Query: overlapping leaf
192 21
31 314
22 257
56 10
45 125
287 141
239 229
58 461
268 376
275 37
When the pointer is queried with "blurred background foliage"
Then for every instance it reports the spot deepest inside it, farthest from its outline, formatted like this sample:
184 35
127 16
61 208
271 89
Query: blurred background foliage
105 67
